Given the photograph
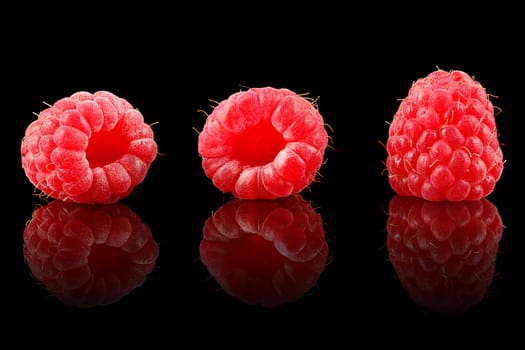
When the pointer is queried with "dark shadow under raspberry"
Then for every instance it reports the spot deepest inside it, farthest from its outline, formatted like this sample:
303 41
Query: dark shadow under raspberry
444 253
89 255
265 252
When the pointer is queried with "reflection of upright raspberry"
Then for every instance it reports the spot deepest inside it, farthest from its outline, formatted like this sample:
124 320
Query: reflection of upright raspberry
444 253
88 255
443 143
265 252
88 148
263 143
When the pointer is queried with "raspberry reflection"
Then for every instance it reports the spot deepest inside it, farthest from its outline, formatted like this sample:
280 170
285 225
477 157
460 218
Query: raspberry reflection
88 255
444 253
266 252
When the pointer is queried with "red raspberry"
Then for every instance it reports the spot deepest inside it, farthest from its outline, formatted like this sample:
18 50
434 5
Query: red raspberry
88 255
265 252
443 143
444 253
88 148
263 143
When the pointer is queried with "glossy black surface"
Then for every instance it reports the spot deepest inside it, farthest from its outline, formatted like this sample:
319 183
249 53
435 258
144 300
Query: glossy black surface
171 72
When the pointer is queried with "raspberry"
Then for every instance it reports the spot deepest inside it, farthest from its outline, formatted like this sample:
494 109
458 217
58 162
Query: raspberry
263 143
444 253
88 254
88 148
443 143
265 252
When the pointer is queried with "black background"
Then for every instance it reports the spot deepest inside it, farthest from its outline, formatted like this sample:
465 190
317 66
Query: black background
171 63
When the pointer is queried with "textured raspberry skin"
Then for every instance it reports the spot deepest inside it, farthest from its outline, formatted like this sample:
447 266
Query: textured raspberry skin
444 253
443 142
263 143
88 254
265 252
88 148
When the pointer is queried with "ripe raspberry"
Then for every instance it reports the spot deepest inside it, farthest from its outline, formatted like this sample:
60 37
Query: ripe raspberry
88 148
88 255
263 143
265 252
442 143
444 253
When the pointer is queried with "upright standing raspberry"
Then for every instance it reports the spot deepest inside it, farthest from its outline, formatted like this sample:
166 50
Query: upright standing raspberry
443 143
88 148
263 143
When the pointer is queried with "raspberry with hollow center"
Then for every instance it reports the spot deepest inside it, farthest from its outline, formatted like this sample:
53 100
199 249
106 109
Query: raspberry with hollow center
88 148
442 142
263 143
